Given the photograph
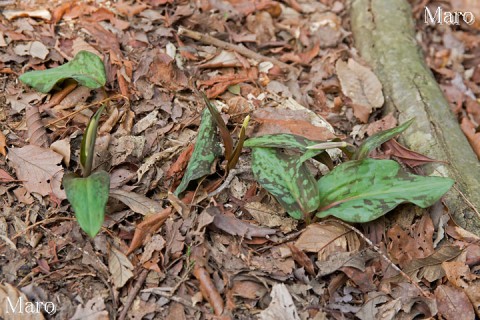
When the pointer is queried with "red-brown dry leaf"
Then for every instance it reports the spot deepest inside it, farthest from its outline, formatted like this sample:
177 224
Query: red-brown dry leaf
459 274
5 177
387 122
130 10
58 96
208 289
147 227
104 38
221 84
37 134
176 311
453 303
237 227
275 120
248 289
181 163
59 11
39 168
405 155
302 259
473 137
3 144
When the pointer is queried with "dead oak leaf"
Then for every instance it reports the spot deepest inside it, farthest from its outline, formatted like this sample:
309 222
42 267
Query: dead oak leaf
39 168
120 267
361 85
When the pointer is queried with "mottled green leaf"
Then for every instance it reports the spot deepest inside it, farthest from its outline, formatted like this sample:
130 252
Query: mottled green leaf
88 143
86 68
363 190
206 149
287 178
285 141
222 127
88 197
378 139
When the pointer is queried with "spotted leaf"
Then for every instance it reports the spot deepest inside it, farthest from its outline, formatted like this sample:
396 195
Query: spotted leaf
363 190
207 148
287 178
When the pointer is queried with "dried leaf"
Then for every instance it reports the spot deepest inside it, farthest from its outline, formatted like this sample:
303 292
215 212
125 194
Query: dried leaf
180 164
248 289
120 267
37 134
208 289
35 49
281 307
3 144
453 303
147 227
94 310
327 238
62 147
473 137
361 85
405 155
39 168
302 259
237 227
5 177
137 202
40 14
296 122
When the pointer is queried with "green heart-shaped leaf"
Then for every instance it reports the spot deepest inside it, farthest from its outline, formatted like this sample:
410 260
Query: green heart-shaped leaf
88 197
363 190
86 68
287 178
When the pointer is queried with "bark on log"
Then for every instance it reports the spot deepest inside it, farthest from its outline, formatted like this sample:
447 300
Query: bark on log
384 34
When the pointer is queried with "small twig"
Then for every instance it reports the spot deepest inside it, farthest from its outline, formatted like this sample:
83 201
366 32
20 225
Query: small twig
230 46
384 257
229 179
133 293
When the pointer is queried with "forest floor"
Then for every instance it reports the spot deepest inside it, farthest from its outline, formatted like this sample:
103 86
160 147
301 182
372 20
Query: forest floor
237 254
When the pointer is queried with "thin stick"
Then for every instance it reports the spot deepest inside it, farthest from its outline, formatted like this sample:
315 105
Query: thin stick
133 293
230 46
384 257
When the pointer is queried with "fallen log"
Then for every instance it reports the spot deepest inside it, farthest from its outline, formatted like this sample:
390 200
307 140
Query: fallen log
384 35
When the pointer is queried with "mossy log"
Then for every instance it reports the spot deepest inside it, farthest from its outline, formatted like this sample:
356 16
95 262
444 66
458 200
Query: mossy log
384 35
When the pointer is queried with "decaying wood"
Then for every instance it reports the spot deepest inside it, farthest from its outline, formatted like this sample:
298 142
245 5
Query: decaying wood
384 35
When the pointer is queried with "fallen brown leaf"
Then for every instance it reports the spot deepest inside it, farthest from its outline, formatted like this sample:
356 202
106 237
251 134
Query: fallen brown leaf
453 303
3 144
39 168
147 227
405 155
120 267
473 137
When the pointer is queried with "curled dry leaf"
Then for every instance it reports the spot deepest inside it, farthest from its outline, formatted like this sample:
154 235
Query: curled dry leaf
39 168
147 227
405 155
120 267
473 137
62 147
37 134
361 85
